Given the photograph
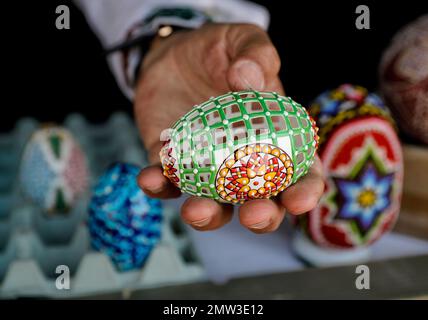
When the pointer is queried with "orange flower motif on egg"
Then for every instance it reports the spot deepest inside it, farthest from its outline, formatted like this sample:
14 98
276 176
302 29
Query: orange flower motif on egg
254 171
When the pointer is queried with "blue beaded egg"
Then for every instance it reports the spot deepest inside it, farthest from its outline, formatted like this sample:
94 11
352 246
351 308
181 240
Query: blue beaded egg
123 222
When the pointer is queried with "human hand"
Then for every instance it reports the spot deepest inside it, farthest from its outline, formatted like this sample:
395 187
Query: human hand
188 68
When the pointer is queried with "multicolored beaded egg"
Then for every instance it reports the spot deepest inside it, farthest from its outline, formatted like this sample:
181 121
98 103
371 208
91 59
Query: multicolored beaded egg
240 146
363 166
123 222
54 171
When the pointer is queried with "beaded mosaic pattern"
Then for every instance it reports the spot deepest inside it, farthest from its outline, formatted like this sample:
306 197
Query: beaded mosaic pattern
334 107
53 171
363 166
252 171
240 146
363 163
123 222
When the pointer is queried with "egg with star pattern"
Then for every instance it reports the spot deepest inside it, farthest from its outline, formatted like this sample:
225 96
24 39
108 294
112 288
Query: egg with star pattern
363 167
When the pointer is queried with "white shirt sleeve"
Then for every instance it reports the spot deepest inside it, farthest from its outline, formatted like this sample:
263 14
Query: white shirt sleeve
112 20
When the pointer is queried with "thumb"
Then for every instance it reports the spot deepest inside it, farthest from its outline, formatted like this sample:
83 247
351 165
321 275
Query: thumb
254 61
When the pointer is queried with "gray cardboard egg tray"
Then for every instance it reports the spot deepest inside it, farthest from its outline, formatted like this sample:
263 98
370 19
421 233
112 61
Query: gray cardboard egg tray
33 244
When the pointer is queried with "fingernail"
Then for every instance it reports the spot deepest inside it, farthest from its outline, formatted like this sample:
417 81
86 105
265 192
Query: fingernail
261 225
155 189
251 74
201 223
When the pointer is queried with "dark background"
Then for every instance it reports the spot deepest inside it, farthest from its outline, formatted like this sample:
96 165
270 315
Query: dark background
48 73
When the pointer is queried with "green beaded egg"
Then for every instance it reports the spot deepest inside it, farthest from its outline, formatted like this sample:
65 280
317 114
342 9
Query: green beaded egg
240 146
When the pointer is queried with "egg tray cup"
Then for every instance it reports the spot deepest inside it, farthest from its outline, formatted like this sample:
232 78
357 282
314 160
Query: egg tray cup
33 243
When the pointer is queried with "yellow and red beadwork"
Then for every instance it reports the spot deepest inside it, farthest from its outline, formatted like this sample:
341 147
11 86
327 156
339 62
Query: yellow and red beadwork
254 171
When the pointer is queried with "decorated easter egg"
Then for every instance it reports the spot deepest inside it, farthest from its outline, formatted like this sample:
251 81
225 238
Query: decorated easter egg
240 146
53 171
363 168
404 78
123 222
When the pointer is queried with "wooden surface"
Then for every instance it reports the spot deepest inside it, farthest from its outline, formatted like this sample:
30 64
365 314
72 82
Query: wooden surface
405 278
413 219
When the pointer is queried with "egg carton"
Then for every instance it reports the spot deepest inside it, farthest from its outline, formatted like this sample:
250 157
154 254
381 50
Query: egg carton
33 244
